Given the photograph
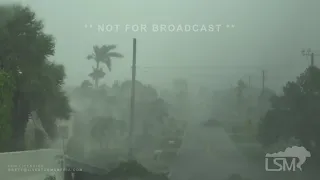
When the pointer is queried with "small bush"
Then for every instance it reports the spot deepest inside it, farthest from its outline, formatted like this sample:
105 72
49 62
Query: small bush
50 177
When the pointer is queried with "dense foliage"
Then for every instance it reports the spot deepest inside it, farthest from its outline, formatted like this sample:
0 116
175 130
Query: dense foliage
295 113
24 52
6 94
108 111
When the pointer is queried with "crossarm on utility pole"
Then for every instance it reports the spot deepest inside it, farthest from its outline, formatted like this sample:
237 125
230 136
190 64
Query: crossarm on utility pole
310 53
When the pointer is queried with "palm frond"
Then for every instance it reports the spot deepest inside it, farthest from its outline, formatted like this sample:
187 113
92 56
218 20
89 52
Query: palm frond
108 48
108 63
90 56
114 54
96 50
103 54
100 53
97 73
91 75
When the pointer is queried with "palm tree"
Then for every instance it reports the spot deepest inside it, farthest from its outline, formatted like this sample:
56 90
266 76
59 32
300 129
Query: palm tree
96 74
103 54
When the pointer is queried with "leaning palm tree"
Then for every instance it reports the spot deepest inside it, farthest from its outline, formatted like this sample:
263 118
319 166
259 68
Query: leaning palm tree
103 54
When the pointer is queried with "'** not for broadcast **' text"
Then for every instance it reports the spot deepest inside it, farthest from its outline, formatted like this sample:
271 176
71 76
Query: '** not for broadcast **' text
159 27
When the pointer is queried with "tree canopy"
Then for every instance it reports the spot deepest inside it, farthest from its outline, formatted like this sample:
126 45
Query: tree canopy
295 113
24 52
6 93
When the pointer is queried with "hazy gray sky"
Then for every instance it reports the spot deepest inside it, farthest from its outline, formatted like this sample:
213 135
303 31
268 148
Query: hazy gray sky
268 34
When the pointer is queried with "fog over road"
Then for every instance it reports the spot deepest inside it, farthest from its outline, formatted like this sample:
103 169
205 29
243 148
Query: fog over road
206 154
209 153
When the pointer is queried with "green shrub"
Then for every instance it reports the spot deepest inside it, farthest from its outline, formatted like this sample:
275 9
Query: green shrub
6 104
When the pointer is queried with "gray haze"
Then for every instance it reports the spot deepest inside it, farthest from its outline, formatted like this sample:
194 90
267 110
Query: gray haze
267 35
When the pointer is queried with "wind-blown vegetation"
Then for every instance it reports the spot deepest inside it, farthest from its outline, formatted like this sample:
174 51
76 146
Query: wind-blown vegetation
295 114
102 55
31 82
6 94
24 51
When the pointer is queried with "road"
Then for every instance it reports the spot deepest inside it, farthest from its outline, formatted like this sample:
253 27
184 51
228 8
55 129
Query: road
206 154
209 154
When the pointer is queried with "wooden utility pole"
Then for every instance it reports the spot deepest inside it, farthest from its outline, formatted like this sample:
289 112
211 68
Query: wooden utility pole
312 59
263 80
132 99
249 83
310 53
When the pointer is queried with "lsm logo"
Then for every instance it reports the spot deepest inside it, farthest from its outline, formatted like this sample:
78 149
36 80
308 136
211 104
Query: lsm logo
280 161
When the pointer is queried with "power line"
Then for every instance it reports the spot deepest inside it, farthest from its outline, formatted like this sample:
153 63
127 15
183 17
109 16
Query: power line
213 66
211 71
253 76
310 53
218 75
